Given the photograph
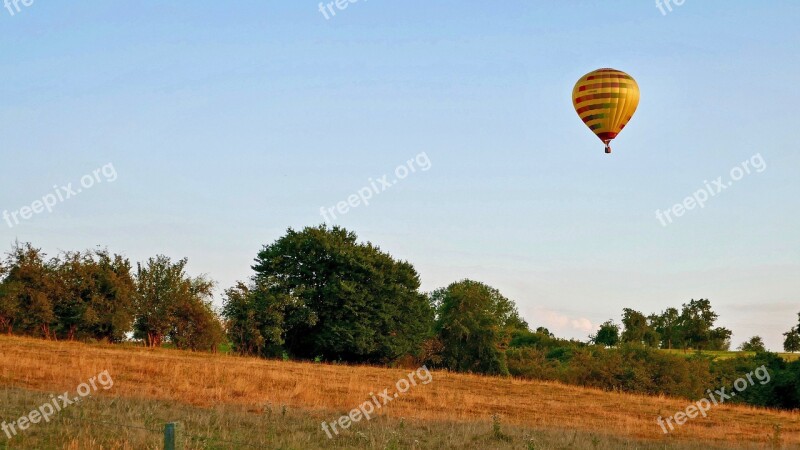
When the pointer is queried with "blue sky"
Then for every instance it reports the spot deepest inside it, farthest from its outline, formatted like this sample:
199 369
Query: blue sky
228 122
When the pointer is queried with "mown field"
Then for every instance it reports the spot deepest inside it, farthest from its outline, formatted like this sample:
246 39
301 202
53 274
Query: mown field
222 401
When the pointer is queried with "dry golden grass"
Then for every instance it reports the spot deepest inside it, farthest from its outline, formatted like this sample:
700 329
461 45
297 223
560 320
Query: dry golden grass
208 380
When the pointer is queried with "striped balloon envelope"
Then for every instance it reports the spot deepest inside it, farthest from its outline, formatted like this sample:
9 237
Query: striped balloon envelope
605 100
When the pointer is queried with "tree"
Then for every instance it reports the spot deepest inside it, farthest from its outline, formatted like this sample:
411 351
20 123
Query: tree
195 326
113 303
475 323
637 329
754 344
696 325
720 339
9 303
29 291
607 335
667 326
544 331
342 299
791 343
255 319
73 295
95 296
171 304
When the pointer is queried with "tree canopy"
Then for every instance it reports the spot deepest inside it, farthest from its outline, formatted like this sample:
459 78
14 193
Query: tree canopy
169 303
791 342
340 299
74 295
754 344
607 335
475 324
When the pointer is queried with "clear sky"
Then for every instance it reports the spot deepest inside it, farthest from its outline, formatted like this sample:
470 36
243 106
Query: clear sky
225 123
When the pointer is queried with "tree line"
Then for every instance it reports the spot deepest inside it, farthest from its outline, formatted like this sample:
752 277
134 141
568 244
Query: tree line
320 294
690 327
96 295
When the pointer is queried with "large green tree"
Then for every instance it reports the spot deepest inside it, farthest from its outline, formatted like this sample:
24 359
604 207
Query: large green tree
475 324
342 299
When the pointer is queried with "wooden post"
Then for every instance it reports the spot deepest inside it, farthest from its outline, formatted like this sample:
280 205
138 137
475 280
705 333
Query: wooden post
170 436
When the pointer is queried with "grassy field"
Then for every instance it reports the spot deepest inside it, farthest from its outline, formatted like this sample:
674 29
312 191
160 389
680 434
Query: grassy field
222 401
727 354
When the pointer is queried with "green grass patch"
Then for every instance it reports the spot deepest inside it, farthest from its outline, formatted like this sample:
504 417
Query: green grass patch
726 354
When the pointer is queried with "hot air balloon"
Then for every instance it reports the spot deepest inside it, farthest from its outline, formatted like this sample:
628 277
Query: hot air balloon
605 100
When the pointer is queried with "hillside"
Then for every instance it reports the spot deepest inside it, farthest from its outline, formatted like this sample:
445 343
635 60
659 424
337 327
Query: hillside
228 397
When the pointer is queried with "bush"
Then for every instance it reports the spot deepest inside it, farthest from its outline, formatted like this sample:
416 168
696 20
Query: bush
630 368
